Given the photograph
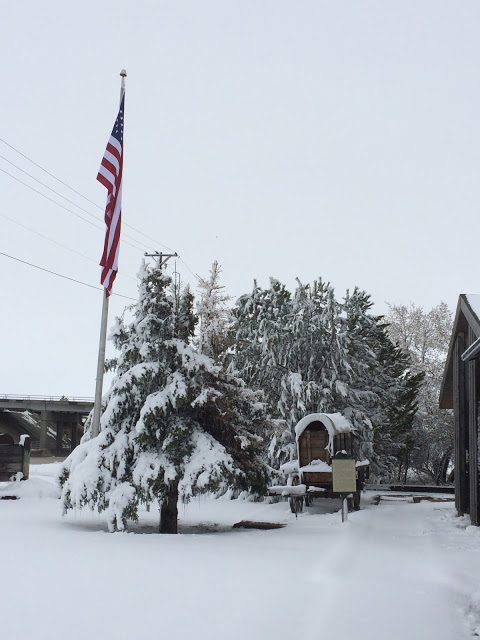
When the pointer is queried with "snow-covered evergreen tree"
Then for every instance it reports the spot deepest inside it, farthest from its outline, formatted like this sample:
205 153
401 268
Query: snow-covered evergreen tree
382 390
173 425
213 314
260 339
311 353
397 436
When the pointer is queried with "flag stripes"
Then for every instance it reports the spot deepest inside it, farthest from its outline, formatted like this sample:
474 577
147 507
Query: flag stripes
110 175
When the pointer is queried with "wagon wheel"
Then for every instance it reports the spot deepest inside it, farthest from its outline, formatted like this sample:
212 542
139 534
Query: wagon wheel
356 500
296 503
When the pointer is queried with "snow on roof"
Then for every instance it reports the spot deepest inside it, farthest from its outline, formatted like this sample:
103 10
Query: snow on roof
473 300
333 422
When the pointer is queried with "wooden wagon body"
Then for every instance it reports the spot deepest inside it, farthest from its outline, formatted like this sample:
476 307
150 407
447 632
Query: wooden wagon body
320 438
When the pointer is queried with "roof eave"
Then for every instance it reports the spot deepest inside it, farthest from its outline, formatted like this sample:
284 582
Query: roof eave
464 317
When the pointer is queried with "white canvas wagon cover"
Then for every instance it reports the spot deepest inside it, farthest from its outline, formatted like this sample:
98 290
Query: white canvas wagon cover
334 423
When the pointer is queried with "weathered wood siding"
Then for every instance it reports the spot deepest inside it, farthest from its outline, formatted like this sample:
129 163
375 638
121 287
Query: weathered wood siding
312 443
14 458
473 381
461 427
317 477
343 442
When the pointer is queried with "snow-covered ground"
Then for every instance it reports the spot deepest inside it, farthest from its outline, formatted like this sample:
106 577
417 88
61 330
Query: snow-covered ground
395 570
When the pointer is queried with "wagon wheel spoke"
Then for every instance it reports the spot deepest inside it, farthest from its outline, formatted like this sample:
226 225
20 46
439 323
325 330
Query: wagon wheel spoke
296 502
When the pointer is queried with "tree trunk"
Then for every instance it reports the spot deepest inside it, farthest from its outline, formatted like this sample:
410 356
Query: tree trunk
169 511
443 468
407 466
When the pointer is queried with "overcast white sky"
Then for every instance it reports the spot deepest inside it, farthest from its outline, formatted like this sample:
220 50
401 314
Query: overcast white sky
281 138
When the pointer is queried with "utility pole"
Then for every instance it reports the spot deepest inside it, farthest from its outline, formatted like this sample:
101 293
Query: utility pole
162 258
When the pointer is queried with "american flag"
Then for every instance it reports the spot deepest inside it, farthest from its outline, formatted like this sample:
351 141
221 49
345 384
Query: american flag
110 175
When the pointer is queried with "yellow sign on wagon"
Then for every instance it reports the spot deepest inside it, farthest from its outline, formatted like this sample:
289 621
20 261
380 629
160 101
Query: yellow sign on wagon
344 476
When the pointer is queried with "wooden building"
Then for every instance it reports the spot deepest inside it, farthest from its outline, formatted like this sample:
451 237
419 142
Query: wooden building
14 458
461 392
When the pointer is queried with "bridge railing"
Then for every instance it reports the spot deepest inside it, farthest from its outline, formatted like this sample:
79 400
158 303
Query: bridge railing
46 398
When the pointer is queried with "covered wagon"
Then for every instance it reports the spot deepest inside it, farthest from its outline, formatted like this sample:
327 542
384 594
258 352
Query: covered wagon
323 439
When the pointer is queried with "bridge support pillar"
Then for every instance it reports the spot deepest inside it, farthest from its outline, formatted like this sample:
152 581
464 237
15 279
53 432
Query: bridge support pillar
67 427
59 438
74 431
43 430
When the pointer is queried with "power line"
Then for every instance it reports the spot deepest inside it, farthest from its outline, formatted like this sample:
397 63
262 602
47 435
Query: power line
125 224
46 237
95 217
51 199
145 235
73 213
78 193
195 275
49 188
67 209
59 275
50 174
59 244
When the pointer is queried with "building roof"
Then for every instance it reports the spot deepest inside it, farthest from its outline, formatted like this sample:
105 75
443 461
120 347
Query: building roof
467 315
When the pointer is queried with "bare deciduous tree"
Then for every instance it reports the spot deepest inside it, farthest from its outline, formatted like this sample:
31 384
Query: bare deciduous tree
425 336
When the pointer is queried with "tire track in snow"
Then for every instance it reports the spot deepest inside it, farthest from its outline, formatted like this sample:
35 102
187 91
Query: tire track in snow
381 578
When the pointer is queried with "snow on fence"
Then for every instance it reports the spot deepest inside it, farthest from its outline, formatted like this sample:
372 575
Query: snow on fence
46 398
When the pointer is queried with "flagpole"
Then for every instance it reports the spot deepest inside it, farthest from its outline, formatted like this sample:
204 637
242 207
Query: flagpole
97 407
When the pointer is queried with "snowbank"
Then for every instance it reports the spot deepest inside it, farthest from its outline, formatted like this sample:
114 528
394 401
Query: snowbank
396 571
35 488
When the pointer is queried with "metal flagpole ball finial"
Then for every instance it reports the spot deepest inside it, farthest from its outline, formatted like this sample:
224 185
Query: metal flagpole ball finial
123 73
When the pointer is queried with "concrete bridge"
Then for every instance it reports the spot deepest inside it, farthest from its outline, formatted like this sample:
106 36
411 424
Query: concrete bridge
54 423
